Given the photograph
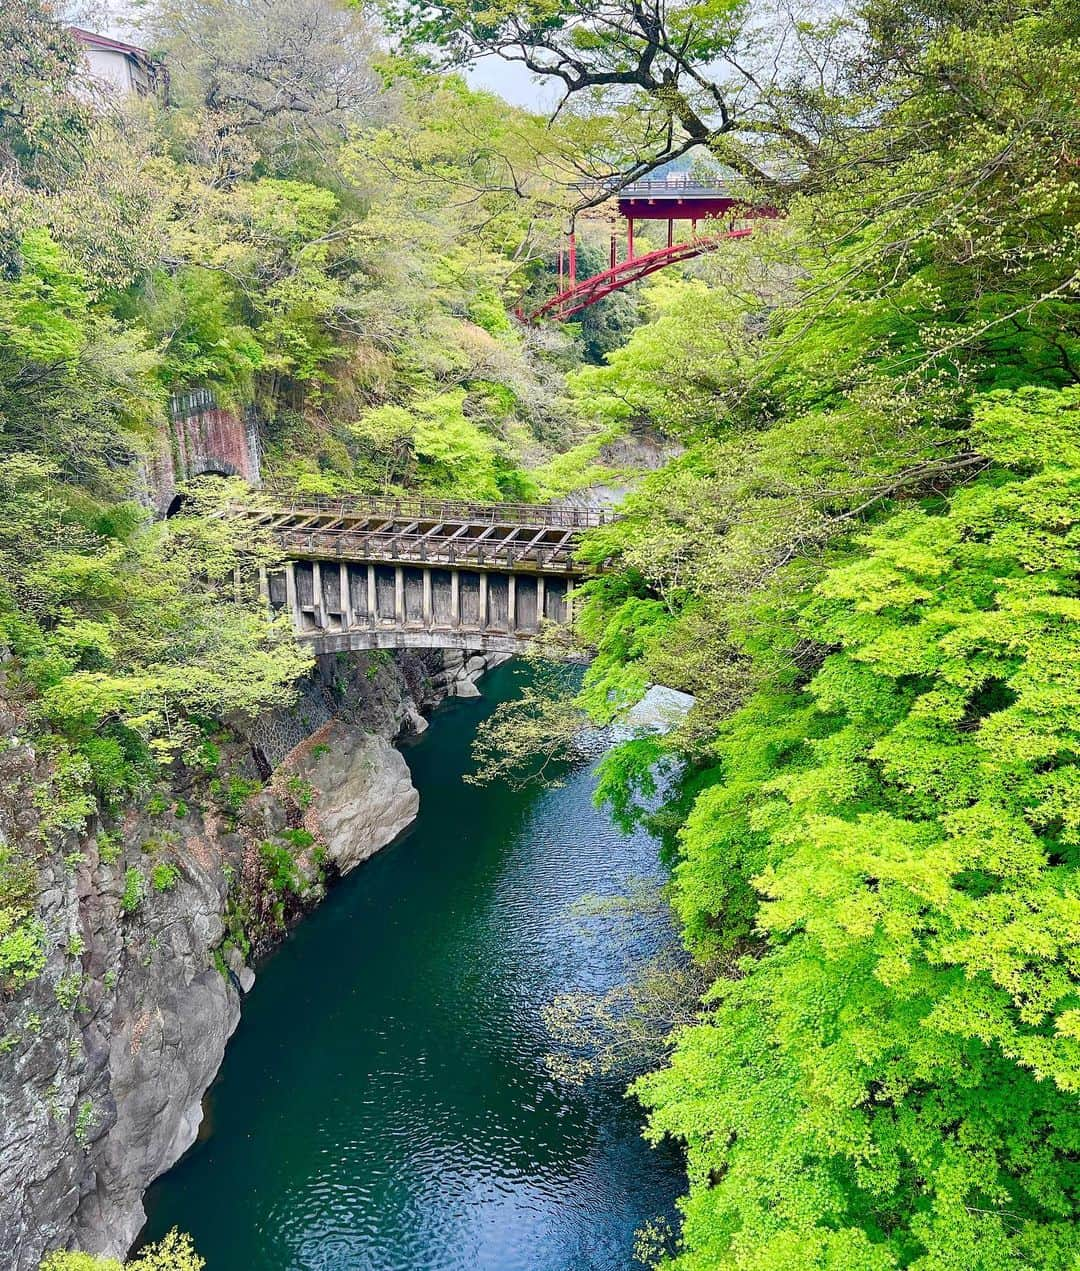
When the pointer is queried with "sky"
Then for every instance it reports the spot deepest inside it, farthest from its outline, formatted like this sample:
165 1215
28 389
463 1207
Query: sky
514 83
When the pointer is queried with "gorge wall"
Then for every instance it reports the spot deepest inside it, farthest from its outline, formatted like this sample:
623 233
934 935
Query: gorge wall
150 924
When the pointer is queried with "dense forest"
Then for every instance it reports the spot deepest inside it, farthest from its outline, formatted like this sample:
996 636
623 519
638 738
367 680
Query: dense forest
340 263
863 565
863 560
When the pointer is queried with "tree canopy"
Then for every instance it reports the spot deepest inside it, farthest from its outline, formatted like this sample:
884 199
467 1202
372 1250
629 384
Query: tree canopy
858 549
861 564
732 77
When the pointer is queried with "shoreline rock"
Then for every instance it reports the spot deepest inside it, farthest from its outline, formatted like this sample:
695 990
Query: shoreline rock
363 793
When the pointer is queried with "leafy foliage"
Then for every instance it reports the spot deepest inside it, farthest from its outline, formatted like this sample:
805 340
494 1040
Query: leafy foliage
907 1040
174 1253
863 564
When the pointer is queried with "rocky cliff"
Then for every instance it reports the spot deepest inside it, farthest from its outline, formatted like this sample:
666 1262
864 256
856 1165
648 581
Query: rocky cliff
151 921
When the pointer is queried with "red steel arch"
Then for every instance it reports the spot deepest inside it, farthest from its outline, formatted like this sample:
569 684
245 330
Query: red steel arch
589 290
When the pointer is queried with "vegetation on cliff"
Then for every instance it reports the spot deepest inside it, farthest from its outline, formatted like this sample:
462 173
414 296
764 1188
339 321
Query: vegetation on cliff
864 566
174 1253
863 563
309 255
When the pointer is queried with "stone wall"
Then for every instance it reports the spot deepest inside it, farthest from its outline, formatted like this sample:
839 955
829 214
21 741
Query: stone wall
201 437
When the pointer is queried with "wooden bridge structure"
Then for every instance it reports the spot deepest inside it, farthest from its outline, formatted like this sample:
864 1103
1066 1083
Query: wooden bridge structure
423 573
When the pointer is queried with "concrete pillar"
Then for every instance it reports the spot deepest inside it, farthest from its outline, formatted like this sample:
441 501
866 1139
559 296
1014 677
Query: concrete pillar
316 595
345 597
483 600
569 601
264 585
455 599
399 595
428 615
539 600
511 602
291 602
372 598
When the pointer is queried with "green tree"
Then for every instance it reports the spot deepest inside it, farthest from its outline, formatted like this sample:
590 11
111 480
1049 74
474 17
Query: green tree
42 123
295 77
893 1083
667 77
174 1253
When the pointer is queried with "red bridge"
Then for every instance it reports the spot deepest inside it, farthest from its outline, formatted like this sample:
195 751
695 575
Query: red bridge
672 199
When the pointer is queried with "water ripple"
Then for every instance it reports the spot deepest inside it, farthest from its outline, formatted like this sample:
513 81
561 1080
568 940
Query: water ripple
385 1103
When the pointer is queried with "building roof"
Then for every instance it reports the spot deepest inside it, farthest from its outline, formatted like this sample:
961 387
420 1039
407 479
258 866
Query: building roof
107 42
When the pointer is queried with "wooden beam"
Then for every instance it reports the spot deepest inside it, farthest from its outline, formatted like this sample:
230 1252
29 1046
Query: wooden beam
468 525
491 530
561 545
533 541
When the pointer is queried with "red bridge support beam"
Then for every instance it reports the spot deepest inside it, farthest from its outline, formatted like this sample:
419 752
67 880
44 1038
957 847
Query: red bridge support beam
579 295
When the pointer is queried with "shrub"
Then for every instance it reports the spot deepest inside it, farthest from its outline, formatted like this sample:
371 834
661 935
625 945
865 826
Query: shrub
22 951
67 990
85 1119
164 877
281 871
109 847
300 791
133 890
175 1253
157 804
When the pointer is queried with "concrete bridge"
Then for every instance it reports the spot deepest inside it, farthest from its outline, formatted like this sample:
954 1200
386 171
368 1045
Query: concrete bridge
422 573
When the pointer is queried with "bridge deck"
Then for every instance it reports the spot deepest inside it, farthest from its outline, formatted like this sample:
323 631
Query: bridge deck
521 538
422 573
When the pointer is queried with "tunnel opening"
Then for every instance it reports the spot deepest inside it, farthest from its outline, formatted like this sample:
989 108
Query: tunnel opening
183 496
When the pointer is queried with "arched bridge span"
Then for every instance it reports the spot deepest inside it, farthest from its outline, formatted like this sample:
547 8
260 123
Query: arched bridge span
676 199
588 291
386 573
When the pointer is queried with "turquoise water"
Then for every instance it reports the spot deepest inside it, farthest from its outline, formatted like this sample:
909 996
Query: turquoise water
384 1104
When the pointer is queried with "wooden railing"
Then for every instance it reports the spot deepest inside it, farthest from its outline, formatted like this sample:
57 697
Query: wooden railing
527 515
423 549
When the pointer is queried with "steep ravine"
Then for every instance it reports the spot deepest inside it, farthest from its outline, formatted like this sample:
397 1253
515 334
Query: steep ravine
105 1057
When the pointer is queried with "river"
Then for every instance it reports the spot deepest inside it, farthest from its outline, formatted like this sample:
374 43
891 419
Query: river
384 1104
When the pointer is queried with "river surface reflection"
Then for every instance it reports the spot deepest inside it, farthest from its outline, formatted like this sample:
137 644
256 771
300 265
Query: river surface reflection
384 1105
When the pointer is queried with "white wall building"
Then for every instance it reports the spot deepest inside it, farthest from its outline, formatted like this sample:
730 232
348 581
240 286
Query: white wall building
117 69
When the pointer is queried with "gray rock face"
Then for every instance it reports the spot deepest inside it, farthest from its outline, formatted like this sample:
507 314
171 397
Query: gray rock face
106 1056
112 1048
364 796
